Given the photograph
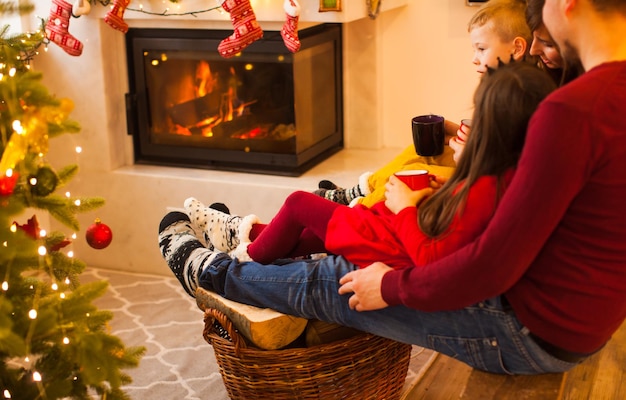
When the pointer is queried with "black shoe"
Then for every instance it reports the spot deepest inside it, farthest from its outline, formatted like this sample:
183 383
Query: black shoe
328 185
221 207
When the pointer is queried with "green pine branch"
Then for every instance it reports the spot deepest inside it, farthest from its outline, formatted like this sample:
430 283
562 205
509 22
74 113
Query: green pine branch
48 322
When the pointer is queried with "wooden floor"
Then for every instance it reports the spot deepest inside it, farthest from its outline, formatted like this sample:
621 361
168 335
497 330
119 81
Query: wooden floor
601 377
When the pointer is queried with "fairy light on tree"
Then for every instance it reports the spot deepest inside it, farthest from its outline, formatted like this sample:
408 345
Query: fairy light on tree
54 342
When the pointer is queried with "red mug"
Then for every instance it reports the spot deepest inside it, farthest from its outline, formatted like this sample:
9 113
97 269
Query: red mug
466 125
416 179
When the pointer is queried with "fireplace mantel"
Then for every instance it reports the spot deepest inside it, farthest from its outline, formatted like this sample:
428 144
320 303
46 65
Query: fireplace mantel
138 195
265 10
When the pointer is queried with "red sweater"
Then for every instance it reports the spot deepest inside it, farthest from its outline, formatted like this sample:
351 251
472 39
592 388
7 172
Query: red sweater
363 235
556 246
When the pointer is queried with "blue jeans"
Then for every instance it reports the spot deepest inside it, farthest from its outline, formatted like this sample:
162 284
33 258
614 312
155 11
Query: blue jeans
486 336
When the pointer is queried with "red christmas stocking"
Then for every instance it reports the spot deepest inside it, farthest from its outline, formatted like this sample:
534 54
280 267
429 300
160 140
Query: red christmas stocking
290 27
246 28
58 25
115 17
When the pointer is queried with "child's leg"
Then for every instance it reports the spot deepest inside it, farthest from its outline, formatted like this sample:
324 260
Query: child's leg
221 229
303 216
184 253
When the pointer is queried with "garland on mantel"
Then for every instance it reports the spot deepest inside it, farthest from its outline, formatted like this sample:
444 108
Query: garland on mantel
56 28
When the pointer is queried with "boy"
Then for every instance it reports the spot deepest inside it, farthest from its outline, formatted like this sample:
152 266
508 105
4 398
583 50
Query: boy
497 30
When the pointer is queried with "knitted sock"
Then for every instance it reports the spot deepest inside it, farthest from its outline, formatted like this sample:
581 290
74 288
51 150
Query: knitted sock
223 230
289 32
202 236
115 17
181 249
328 185
346 196
334 195
360 190
58 25
245 26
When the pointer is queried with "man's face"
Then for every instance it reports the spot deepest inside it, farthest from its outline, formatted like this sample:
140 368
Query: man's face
554 19
488 47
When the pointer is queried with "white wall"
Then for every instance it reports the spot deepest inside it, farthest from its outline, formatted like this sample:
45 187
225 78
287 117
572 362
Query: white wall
426 65
420 54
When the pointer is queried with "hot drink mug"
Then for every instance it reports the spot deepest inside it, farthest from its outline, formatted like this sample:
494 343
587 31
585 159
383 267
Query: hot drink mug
428 134
416 179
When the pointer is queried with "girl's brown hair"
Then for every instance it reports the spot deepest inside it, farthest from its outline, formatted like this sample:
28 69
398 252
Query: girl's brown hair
503 104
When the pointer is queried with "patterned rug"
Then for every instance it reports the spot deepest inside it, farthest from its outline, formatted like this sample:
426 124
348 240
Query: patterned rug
155 312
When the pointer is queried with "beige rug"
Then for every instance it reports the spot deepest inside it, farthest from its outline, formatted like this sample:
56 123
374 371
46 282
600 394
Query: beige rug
155 312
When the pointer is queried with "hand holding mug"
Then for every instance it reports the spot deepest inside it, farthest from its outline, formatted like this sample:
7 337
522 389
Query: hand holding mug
464 130
398 195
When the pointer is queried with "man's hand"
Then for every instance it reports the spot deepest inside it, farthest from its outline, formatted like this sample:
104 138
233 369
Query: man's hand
365 285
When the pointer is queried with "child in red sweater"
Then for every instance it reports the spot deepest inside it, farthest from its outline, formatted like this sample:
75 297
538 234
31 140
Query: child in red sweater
393 231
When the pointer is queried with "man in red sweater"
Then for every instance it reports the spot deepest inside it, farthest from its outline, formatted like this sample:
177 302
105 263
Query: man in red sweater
544 286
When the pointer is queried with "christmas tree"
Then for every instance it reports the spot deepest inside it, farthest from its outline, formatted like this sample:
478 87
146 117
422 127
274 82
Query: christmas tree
54 343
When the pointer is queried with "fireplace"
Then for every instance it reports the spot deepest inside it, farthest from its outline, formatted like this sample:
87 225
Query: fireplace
263 111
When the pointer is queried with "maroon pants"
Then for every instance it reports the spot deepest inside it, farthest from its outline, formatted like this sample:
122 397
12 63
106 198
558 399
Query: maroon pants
298 229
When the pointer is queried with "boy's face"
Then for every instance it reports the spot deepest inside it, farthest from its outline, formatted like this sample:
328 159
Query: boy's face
488 47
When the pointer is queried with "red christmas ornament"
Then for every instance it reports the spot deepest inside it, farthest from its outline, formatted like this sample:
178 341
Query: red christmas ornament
99 235
7 183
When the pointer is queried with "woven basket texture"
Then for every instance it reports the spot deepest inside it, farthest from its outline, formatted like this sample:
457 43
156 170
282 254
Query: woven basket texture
364 366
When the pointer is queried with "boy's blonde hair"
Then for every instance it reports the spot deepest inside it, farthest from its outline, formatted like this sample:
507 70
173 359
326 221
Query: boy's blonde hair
508 19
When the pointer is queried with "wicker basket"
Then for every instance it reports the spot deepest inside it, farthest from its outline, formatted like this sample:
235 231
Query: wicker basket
361 367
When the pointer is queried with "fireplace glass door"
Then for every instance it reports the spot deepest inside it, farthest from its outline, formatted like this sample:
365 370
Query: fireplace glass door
265 110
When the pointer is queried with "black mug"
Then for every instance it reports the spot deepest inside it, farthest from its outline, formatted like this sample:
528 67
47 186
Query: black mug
428 134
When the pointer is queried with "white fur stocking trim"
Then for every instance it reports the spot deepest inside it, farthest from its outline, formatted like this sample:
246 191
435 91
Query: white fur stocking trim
245 227
292 7
364 184
241 252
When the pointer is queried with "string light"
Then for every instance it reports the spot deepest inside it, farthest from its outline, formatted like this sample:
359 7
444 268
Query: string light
17 126
32 314
36 376
42 250
5 286
7 394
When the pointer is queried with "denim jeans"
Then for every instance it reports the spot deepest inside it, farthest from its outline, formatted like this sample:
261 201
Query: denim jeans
486 336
